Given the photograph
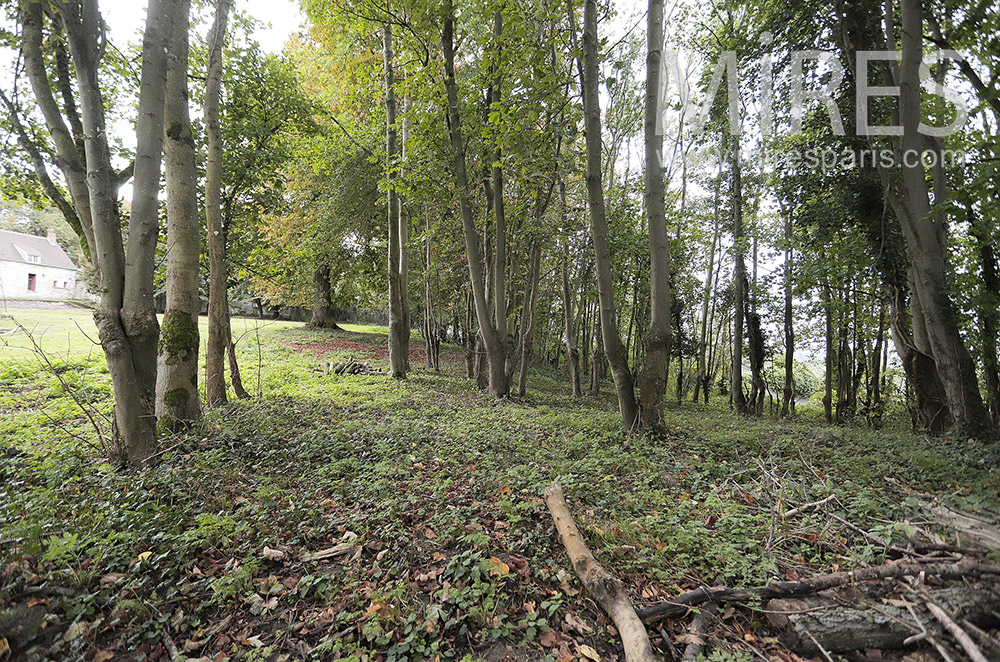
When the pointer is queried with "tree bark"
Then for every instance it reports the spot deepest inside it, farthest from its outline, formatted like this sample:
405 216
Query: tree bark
572 353
740 276
988 311
397 356
702 378
177 400
828 371
218 298
404 240
613 347
499 355
498 383
788 394
322 308
652 384
73 163
926 239
125 318
528 318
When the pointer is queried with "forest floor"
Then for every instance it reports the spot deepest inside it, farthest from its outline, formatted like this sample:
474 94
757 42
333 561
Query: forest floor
358 517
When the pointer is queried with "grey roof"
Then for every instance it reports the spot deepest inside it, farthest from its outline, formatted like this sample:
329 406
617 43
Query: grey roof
51 256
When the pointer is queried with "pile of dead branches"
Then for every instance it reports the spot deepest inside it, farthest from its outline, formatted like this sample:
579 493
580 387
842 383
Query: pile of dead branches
349 367
940 597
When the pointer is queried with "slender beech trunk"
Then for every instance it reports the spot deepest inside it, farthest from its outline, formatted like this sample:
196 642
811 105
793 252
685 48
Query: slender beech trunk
469 339
177 399
218 299
501 354
73 157
652 383
613 347
828 372
397 356
125 318
491 340
529 318
875 406
404 239
432 340
572 353
926 239
788 395
989 316
739 284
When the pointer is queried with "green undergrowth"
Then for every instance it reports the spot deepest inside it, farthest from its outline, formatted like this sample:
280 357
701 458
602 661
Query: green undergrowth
433 491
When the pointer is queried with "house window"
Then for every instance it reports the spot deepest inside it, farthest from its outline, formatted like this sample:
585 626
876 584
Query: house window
31 282
55 283
34 259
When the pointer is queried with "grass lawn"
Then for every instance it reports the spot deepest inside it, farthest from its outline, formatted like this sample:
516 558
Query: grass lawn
432 491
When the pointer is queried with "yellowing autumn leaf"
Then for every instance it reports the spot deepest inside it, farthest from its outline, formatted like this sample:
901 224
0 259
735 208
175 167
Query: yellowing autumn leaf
589 653
498 568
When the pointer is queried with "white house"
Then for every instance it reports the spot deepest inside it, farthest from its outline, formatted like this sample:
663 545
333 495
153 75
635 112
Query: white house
35 267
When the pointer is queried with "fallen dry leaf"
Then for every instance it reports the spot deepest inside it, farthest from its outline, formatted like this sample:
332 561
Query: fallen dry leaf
273 554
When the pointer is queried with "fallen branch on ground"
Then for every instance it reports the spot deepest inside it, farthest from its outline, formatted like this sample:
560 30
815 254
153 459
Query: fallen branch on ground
795 511
606 589
787 589
969 646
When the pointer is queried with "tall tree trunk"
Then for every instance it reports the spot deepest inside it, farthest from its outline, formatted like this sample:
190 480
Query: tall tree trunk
926 239
569 330
432 340
788 395
397 355
469 340
613 347
499 356
843 361
404 240
875 406
597 354
218 298
177 399
529 318
652 384
739 284
499 385
828 372
73 157
125 319
988 311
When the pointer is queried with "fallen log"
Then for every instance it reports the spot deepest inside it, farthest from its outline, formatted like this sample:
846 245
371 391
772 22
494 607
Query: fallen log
787 589
978 529
806 624
606 589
